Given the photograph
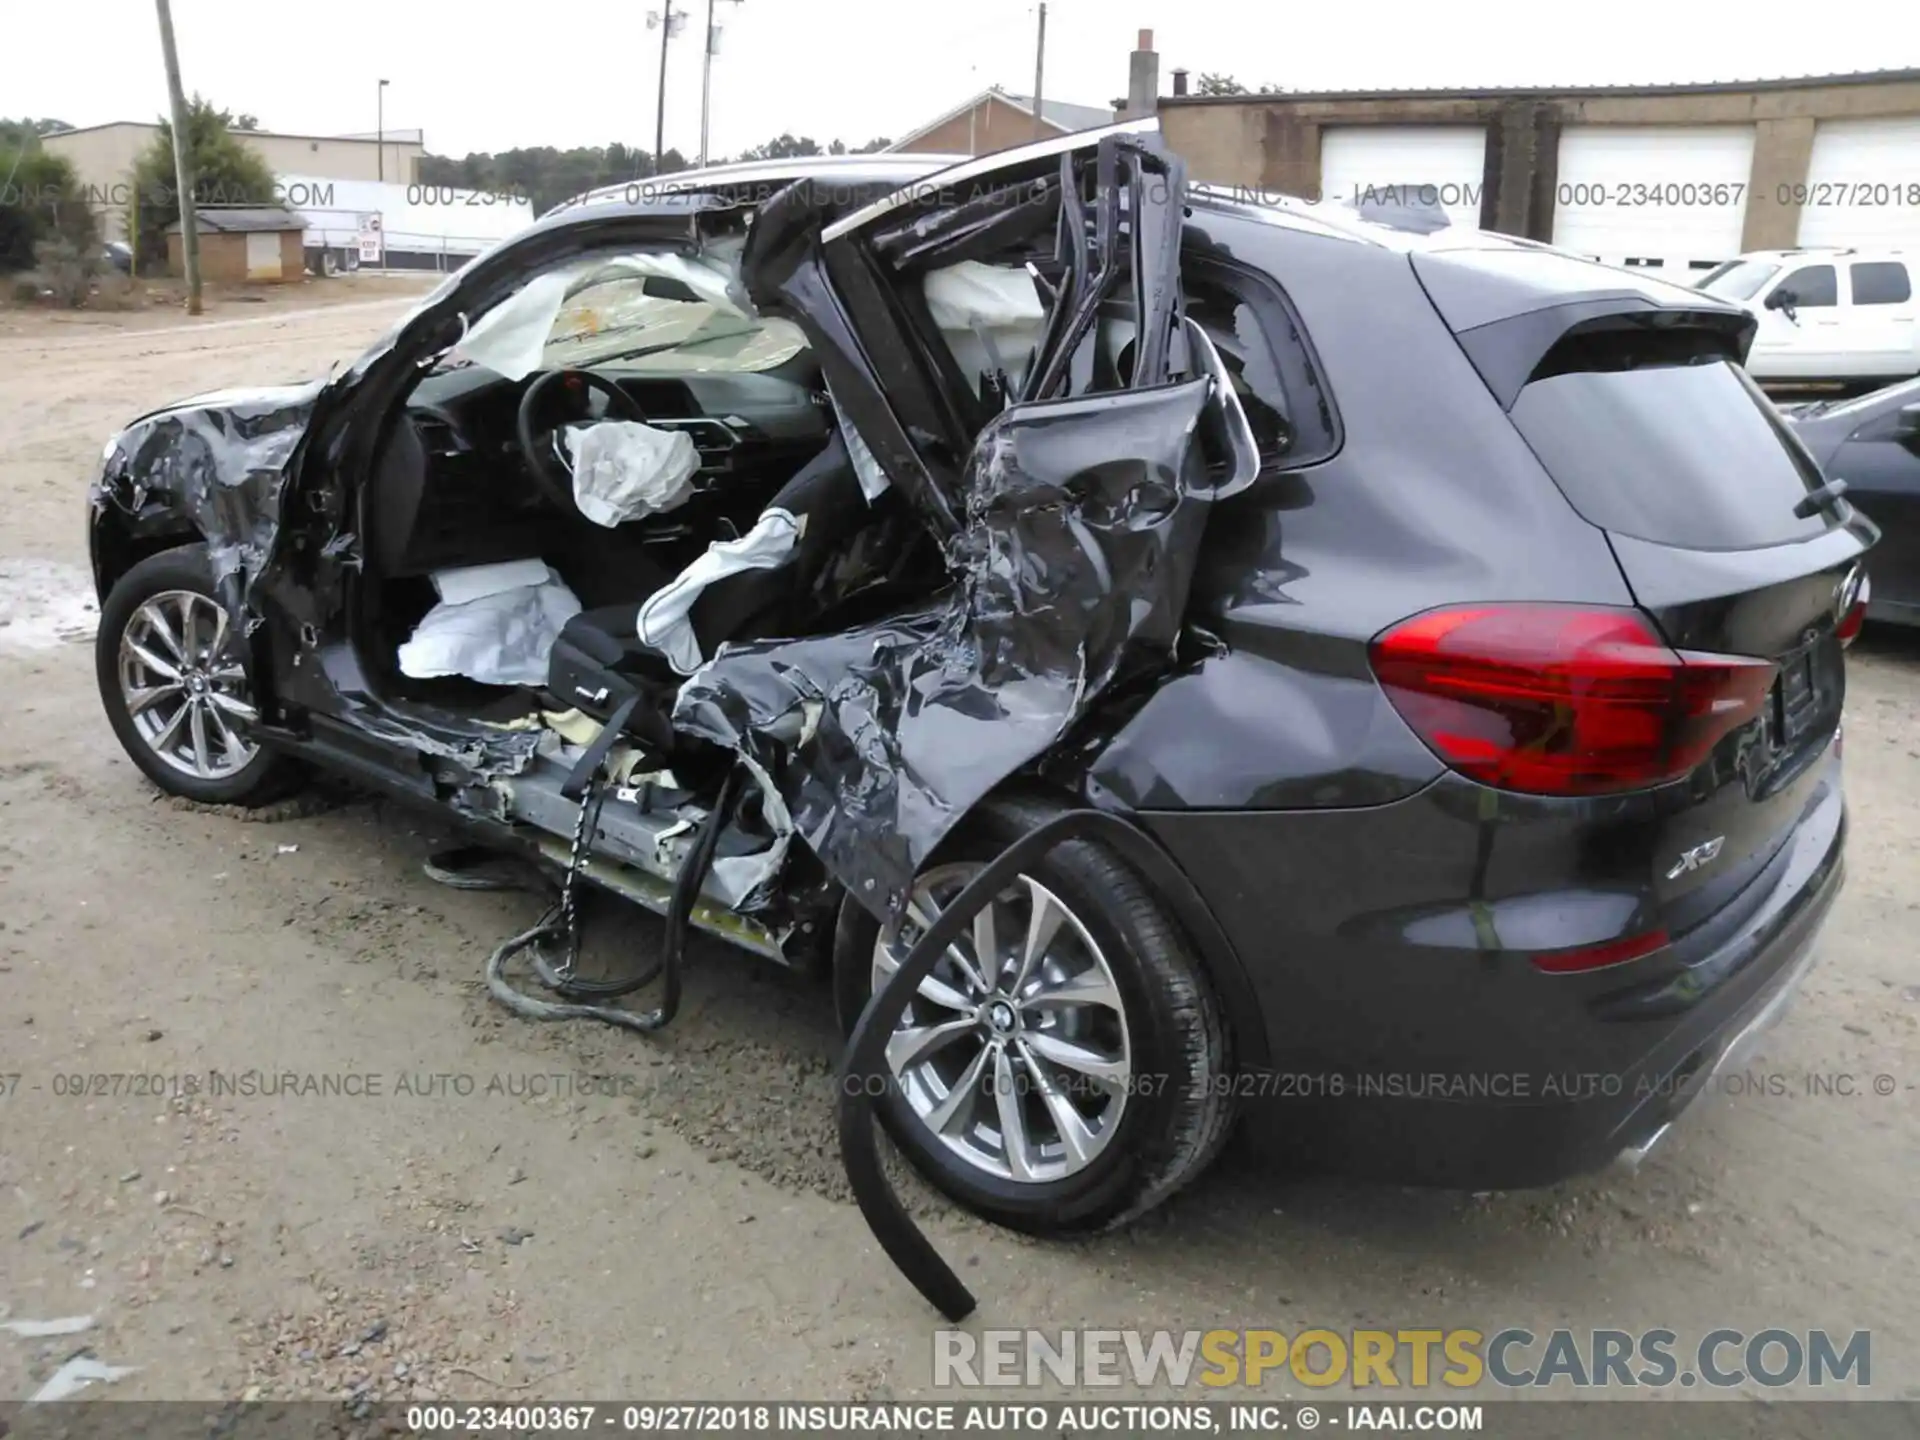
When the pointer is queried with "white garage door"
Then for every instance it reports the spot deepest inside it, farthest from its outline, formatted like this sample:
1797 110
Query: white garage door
1426 164
1863 184
1672 199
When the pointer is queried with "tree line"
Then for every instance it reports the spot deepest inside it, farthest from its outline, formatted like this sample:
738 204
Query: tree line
547 176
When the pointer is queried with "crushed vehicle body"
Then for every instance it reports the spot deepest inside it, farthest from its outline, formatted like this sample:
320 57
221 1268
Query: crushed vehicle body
1417 652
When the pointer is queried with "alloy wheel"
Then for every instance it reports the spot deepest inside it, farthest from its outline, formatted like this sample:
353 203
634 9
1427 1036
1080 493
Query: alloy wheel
185 687
1014 1053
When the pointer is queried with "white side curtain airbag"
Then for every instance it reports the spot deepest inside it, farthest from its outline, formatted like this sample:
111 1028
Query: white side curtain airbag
623 470
990 315
666 620
511 338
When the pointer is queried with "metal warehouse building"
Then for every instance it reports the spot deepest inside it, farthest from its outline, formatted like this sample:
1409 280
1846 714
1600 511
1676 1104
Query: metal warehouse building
1676 177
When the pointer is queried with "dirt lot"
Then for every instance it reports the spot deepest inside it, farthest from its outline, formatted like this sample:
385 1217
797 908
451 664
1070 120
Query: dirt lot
485 1227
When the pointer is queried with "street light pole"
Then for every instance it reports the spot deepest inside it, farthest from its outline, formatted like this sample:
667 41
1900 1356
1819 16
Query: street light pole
182 161
380 134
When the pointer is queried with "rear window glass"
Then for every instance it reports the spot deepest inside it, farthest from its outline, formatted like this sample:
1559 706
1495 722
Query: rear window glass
1881 282
1686 455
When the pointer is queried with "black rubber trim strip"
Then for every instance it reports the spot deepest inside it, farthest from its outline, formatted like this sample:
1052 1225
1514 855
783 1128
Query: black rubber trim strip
864 1073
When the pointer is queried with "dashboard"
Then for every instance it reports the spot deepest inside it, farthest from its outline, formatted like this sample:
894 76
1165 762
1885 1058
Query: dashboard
454 488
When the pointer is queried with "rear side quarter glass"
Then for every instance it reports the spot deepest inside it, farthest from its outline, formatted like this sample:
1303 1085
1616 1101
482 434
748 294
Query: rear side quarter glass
1686 455
1881 282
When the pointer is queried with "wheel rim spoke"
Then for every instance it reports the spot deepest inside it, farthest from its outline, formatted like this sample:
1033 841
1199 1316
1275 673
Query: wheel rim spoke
933 989
230 744
1089 987
169 733
217 647
239 709
914 1043
951 1113
986 945
1078 1058
202 760
154 619
1076 1136
191 626
921 916
165 669
1042 925
139 701
1013 1118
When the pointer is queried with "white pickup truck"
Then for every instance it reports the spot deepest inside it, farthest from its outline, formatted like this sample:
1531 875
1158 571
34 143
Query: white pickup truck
1831 314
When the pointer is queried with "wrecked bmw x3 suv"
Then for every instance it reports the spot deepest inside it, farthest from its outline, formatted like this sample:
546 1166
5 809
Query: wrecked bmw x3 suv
1446 632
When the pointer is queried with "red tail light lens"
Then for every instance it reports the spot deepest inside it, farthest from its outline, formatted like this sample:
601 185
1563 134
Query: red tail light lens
1598 957
1562 699
1848 630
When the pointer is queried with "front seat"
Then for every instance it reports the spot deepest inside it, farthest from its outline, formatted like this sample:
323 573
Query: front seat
738 590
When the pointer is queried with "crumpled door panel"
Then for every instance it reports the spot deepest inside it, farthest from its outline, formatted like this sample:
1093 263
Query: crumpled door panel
1083 520
1069 531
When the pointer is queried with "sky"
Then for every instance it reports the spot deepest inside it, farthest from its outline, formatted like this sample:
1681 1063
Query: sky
487 75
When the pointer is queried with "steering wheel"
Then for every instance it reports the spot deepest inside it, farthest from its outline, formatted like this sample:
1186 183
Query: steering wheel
545 453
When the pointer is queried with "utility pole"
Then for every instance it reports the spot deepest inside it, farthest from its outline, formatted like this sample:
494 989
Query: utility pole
706 77
182 161
1039 72
706 84
660 114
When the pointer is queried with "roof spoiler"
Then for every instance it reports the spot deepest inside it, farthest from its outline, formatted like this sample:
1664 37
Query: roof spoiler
1510 308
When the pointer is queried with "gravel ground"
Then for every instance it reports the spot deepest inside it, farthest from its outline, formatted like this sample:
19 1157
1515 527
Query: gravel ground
490 1225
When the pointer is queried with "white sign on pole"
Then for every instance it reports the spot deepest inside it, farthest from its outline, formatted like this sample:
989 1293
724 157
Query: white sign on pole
372 242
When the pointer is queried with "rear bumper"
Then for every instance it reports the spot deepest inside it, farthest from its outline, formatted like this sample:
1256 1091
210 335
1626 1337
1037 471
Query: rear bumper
1484 1095
1657 1124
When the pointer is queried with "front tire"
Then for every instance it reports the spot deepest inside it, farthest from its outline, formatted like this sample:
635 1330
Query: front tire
176 680
1077 1080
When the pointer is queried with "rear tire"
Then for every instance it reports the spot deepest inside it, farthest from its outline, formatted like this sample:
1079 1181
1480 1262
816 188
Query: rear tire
1139 1138
176 680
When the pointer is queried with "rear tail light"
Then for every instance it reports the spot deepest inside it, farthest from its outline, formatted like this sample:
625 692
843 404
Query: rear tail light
1598 957
1855 616
1562 699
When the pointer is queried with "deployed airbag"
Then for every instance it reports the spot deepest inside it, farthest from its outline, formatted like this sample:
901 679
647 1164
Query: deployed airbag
990 315
502 637
666 620
624 470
